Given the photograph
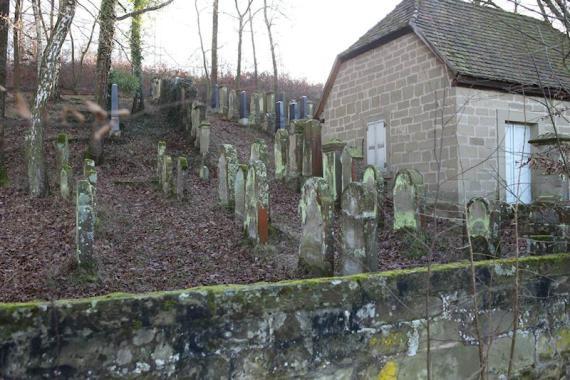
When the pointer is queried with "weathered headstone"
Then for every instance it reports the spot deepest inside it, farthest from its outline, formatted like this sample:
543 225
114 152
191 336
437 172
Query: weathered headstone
259 151
160 157
239 193
310 109
198 116
358 226
115 124
65 175
232 105
85 224
312 152
295 155
348 172
62 150
269 124
280 151
204 138
373 177
227 167
407 194
166 175
89 171
332 168
224 101
316 248
204 173
482 228
256 199
181 178
215 103
243 113
255 110
303 107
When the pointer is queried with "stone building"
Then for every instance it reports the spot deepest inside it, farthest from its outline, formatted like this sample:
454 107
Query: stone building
454 90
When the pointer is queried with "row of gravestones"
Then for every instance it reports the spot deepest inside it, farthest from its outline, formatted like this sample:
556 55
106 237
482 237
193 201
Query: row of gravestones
245 189
264 110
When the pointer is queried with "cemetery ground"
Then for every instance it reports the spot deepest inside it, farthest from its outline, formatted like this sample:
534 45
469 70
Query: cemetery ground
146 242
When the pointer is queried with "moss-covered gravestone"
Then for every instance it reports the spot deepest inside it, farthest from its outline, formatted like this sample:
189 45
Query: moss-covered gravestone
269 112
280 148
358 225
316 248
227 167
198 116
295 155
408 195
62 150
256 199
482 228
239 193
253 110
181 178
224 101
166 175
347 167
85 224
89 171
259 152
204 173
373 177
204 138
332 168
159 159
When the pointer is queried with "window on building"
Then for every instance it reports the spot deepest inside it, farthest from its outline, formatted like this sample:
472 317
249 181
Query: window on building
376 144
517 152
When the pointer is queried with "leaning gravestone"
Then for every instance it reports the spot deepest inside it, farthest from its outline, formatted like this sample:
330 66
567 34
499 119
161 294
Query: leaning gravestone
316 248
256 201
181 177
239 194
160 157
332 168
482 229
358 226
227 167
407 194
259 151
280 149
85 224
166 175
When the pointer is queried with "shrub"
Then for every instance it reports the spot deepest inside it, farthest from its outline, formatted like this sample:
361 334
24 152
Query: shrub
127 82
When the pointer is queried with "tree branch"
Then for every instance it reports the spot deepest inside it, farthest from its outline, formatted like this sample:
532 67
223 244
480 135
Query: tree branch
144 10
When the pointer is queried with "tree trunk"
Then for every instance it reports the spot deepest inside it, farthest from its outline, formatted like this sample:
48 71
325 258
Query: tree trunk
17 33
136 57
103 67
39 43
255 76
37 174
240 40
201 41
4 27
272 47
214 71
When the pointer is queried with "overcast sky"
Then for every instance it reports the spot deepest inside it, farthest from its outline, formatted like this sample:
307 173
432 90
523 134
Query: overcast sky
308 38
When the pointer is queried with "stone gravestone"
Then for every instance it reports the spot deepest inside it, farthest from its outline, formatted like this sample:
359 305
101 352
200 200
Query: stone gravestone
260 107
312 151
256 201
292 111
280 150
115 124
279 115
232 103
332 168
243 114
215 104
224 101
260 152
85 224
90 174
303 107
316 248
295 154
204 173
407 194
204 138
198 116
358 225
65 176
373 177
166 175
239 194
227 167
348 171
269 124
62 150
160 157
181 178
310 109
482 229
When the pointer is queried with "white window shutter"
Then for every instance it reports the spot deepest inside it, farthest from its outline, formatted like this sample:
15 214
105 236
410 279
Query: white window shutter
371 144
381 145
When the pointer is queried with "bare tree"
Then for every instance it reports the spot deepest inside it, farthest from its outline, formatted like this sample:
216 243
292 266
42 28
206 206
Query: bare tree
4 27
37 174
39 35
16 43
269 25
204 61
255 73
240 17
136 56
214 62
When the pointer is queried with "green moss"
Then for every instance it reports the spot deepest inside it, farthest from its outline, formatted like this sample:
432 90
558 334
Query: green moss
563 341
3 176
62 139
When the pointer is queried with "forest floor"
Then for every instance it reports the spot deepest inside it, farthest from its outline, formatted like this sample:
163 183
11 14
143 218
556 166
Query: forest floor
145 241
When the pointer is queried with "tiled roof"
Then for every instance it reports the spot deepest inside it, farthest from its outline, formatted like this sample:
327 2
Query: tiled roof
480 43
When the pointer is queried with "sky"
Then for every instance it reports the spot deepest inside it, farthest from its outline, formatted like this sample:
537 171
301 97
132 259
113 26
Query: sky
308 34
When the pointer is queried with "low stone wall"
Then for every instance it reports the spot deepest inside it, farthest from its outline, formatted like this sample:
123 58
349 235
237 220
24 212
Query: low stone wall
363 326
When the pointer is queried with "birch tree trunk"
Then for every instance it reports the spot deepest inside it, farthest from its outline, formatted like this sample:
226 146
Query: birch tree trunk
107 18
39 35
37 174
